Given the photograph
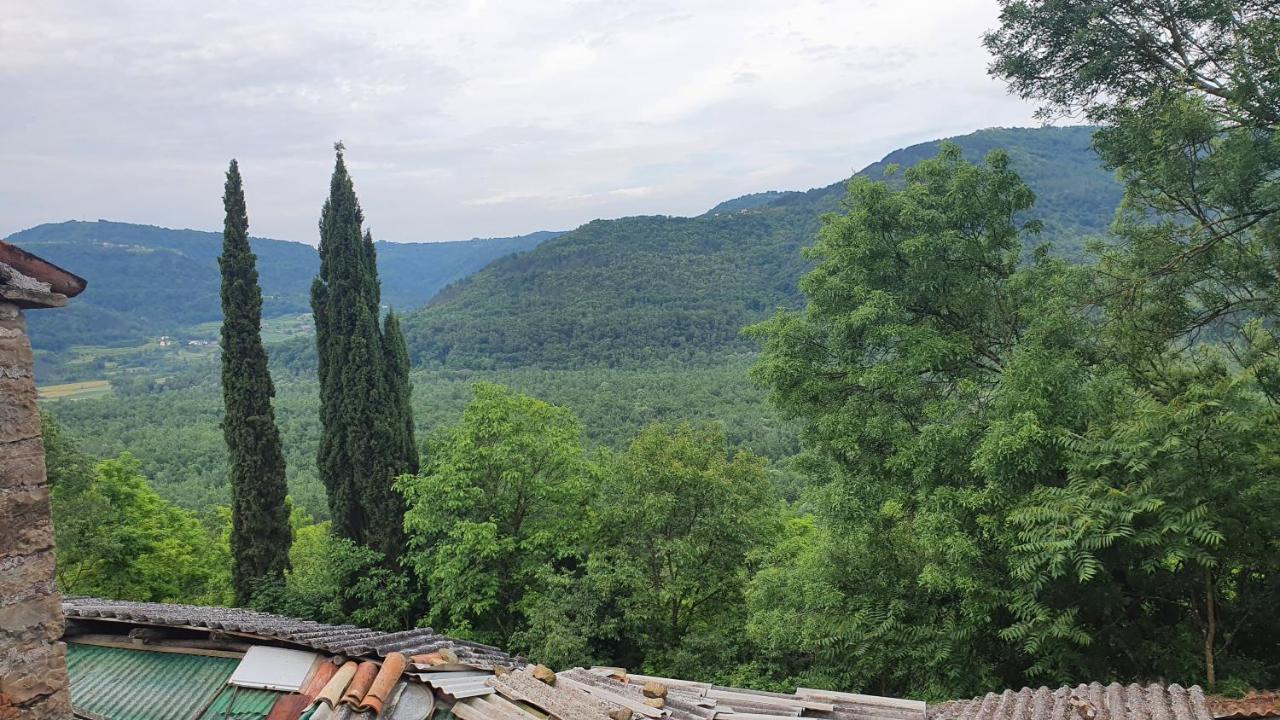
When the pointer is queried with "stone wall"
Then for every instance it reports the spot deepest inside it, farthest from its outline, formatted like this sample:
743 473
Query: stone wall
33 667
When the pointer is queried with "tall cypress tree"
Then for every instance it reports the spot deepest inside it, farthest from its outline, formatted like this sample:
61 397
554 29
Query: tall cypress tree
362 400
260 532
404 449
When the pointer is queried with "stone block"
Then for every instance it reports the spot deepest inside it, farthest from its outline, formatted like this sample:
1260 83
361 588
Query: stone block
38 620
25 517
22 464
26 576
19 416
38 669
15 353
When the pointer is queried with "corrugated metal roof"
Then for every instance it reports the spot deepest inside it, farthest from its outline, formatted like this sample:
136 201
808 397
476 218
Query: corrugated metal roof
241 703
139 685
1088 702
347 640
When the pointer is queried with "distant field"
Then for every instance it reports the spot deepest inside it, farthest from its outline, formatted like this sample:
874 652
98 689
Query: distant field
76 390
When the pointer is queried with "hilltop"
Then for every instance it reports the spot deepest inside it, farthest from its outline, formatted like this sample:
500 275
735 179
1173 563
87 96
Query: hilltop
147 281
631 290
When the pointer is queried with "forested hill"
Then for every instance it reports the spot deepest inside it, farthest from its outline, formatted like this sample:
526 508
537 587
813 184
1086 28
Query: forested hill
146 281
626 291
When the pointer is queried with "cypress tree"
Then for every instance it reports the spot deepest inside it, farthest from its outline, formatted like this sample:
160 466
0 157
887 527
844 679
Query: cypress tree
362 410
260 531
404 451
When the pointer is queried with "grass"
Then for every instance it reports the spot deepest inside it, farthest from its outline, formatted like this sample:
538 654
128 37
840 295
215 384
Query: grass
76 390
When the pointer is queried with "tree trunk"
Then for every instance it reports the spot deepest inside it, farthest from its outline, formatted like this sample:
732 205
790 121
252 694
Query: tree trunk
1211 628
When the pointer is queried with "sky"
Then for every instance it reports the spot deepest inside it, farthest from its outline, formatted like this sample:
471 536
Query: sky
470 119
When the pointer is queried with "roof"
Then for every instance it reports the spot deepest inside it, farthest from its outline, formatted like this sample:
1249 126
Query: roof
30 281
137 683
599 693
1083 702
348 640
362 674
169 685
1254 705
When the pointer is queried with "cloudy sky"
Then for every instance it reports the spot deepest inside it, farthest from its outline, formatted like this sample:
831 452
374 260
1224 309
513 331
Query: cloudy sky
467 119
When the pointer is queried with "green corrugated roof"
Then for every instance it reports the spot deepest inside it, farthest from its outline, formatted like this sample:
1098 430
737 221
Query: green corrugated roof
120 684
237 703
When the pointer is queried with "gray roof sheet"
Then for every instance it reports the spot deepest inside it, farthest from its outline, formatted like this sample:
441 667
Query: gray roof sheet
348 640
1083 702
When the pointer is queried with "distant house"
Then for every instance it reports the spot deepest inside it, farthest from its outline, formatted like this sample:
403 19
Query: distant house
165 341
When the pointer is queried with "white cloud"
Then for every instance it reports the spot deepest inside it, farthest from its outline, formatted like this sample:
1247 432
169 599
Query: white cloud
470 118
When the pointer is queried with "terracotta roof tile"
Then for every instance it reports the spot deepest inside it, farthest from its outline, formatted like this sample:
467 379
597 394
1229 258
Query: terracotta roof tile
292 705
337 685
359 685
1254 705
386 680
52 277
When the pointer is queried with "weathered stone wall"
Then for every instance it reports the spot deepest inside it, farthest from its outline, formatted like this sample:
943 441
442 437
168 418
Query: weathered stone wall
33 667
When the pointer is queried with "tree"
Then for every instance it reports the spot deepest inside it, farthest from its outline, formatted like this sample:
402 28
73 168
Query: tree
403 452
364 408
679 517
500 504
1168 512
916 306
1188 92
117 538
334 580
260 532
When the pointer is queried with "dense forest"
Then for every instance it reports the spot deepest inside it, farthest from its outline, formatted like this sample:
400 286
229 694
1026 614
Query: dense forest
150 281
631 291
969 421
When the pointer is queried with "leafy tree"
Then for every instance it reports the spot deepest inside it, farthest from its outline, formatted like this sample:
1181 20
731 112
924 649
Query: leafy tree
499 504
362 405
260 532
679 515
116 538
916 306
1167 512
334 580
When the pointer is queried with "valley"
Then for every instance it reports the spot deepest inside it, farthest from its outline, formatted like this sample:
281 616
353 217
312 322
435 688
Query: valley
625 322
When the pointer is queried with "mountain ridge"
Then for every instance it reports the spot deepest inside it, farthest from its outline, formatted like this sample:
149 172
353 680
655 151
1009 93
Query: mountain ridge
147 280
630 290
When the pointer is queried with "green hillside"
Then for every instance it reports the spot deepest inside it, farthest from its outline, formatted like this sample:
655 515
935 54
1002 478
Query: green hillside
146 281
633 290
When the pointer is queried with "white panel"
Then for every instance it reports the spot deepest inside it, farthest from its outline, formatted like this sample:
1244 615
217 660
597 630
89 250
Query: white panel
272 668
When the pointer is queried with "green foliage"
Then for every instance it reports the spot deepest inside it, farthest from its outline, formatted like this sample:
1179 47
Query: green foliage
498 506
260 533
334 580
676 519
915 305
1168 511
366 439
632 291
147 281
116 538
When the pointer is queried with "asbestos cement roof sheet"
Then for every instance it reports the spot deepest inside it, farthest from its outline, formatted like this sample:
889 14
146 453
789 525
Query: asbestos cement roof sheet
1083 702
349 640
